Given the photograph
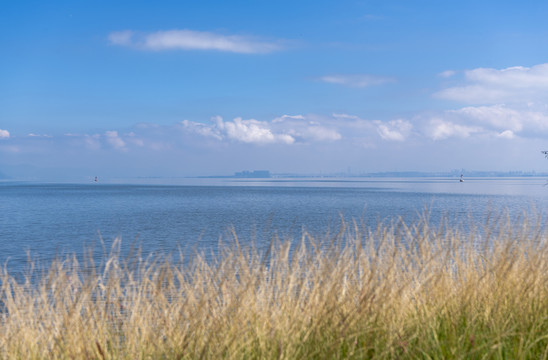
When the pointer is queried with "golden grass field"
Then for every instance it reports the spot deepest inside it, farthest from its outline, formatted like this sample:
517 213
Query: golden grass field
396 291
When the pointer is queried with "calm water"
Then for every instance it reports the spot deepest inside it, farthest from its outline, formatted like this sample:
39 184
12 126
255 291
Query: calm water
52 219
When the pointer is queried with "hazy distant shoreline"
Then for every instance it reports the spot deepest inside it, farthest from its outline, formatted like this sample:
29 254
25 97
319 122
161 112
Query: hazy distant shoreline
395 174
283 176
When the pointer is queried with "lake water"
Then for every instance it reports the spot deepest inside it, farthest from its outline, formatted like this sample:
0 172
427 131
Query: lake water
188 214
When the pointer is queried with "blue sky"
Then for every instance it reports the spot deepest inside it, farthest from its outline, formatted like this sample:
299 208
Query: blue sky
182 88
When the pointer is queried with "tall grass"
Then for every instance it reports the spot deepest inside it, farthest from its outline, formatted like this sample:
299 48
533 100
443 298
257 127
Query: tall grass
395 291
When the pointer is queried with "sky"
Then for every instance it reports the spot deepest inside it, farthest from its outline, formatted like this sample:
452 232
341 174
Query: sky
199 88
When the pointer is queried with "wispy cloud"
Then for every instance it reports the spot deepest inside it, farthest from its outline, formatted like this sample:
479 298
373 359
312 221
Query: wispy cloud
492 86
4 134
192 40
355 80
288 117
39 135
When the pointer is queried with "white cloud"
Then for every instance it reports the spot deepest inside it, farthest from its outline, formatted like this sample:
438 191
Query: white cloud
114 140
202 129
192 40
491 86
506 134
314 132
440 129
239 130
396 130
474 94
290 129
305 128
355 80
288 117
506 102
498 116
512 77
501 117
287 129
251 131
4 134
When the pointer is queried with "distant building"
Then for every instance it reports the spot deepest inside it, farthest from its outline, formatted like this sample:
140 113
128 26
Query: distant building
253 174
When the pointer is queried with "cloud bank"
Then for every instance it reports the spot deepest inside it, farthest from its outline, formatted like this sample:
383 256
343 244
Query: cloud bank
504 103
503 117
192 40
288 143
282 130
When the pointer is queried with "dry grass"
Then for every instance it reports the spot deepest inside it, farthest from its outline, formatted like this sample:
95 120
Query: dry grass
396 291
